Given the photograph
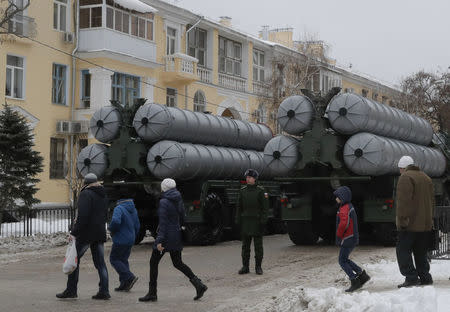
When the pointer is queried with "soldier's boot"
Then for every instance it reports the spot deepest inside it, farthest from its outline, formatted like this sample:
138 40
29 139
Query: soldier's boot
258 268
151 295
245 268
199 287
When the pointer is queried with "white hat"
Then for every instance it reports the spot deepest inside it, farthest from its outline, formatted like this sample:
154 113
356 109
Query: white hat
405 161
90 178
168 184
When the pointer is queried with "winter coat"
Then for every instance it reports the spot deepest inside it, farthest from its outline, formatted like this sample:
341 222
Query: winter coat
90 225
414 201
252 210
347 234
124 225
171 215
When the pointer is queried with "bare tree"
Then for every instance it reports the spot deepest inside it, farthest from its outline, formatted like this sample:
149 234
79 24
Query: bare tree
9 11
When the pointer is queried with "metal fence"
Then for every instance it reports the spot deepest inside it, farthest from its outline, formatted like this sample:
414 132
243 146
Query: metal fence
43 220
442 223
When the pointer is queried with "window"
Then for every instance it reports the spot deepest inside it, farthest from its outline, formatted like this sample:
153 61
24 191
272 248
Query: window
199 102
14 77
197 45
171 97
364 92
90 13
375 96
59 80
125 88
120 19
59 15
57 158
230 56
259 114
170 40
16 24
258 65
85 89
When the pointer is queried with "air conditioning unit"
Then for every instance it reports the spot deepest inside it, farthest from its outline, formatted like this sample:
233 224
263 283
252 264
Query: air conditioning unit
68 37
79 127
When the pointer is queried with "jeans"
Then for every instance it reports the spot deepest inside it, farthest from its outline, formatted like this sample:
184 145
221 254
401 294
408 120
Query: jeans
176 260
119 260
414 243
97 251
349 267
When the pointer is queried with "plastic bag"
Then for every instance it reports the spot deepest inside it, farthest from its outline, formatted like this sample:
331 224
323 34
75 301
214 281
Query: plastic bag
71 258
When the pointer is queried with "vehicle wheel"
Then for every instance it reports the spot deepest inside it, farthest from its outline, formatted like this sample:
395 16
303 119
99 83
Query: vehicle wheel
301 232
385 233
277 227
141 234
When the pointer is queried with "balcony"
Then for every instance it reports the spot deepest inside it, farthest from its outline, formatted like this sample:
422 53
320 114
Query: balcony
261 88
232 82
204 74
181 67
22 26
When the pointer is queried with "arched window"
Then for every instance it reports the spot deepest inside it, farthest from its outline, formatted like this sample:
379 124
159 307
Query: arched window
199 102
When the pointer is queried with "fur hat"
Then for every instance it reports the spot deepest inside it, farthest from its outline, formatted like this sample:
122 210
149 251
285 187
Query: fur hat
251 173
405 161
168 184
90 178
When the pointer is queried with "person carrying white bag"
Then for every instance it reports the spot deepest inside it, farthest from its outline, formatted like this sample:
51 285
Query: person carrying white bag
71 258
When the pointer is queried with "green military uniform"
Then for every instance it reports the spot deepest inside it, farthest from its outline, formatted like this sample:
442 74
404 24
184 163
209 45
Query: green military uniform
251 215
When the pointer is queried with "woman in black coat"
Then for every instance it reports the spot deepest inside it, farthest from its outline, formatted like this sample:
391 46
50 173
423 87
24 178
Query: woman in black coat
171 216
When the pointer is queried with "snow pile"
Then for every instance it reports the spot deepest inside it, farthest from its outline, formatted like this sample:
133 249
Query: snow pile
12 244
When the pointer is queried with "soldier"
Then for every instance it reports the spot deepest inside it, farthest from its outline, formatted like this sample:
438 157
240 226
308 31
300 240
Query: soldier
251 216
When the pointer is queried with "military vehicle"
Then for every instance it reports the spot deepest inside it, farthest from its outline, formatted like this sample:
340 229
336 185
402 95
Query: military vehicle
206 154
346 139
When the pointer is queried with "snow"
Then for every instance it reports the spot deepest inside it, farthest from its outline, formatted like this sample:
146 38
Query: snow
136 5
36 226
380 294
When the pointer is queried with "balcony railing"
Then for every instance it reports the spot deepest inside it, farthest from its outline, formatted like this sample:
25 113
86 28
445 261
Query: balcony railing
204 74
232 82
22 26
181 62
261 88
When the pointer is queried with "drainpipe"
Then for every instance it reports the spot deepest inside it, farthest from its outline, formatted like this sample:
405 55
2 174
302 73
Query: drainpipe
186 50
72 104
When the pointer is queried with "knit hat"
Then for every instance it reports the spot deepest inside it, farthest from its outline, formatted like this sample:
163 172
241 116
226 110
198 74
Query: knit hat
251 173
168 184
90 178
405 161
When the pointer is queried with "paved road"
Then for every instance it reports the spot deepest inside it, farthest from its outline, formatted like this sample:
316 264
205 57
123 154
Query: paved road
30 284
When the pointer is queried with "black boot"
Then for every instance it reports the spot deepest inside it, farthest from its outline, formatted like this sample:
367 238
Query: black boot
258 268
245 269
355 284
67 295
151 295
409 283
363 277
199 287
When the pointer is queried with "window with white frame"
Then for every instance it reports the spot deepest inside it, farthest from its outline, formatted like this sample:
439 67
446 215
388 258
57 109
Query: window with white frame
60 15
260 114
171 97
14 77
85 89
16 23
90 13
171 39
59 84
57 158
230 56
199 101
197 45
125 88
258 65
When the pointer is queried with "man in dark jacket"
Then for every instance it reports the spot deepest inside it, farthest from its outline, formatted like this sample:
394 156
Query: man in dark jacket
347 237
415 208
124 227
171 217
251 215
90 232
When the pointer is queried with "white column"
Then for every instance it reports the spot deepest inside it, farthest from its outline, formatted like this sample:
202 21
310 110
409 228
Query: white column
100 87
148 89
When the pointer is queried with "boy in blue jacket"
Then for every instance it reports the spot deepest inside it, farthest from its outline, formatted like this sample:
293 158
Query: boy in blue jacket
124 227
347 237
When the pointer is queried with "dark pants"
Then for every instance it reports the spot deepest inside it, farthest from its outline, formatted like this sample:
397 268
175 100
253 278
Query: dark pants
350 268
97 252
413 243
259 251
119 260
177 263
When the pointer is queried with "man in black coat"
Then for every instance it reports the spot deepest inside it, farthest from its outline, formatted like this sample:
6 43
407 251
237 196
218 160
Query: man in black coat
90 232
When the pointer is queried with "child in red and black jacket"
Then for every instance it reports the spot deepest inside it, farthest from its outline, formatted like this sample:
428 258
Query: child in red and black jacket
347 237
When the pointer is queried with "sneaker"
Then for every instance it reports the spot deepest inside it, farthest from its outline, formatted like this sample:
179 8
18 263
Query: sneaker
130 283
67 295
101 296
409 283
120 288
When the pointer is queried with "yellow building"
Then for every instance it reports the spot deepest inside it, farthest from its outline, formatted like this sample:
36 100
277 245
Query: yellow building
72 57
